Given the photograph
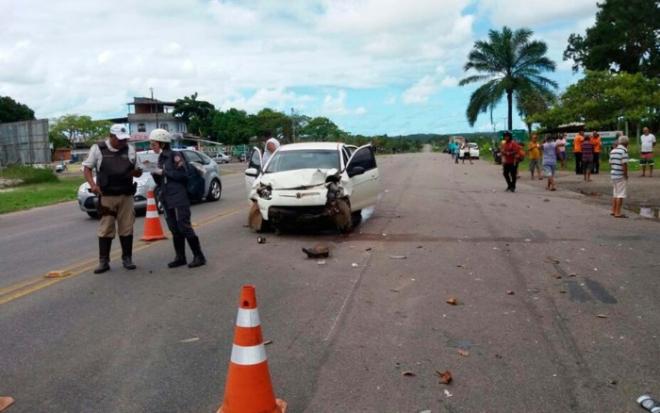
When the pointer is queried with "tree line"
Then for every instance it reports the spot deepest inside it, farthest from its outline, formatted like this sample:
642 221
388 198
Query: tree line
620 55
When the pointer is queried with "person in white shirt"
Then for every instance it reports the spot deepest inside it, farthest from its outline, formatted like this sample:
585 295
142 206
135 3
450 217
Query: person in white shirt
646 152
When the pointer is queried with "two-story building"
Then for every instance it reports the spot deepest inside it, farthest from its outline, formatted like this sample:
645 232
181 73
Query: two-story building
146 114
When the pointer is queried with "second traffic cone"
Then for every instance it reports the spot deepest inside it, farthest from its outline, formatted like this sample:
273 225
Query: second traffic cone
153 231
248 388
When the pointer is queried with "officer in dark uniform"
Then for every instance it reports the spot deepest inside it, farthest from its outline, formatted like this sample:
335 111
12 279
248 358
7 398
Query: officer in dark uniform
115 163
171 177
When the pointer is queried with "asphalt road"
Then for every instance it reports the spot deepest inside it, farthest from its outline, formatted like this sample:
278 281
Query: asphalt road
578 331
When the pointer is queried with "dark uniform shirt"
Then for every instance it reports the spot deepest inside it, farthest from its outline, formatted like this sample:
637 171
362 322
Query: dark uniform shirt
172 183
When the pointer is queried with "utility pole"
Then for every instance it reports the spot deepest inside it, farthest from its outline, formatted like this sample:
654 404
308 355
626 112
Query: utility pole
293 126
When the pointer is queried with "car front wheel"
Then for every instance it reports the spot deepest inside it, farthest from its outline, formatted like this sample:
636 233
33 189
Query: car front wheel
215 191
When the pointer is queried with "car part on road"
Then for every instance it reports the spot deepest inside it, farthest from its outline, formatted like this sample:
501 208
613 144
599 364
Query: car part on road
317 251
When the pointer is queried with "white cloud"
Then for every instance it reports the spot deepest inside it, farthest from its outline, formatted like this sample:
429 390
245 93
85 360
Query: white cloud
517 13
278 98
420 91
360 110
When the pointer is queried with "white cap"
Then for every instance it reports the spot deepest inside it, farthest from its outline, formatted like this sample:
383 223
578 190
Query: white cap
119 131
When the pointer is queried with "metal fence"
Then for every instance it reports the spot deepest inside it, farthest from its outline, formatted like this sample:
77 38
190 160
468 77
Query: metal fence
24 143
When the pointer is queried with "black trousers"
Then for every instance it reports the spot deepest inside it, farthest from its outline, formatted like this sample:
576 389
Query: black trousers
510 174
578 163
596 167
178 221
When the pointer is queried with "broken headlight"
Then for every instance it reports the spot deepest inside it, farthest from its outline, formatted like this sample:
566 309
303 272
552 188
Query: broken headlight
264 191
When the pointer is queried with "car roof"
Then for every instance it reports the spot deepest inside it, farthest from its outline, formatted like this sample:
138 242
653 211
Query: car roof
332 146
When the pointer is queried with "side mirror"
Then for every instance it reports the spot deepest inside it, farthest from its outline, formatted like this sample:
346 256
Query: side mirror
253 172
355 170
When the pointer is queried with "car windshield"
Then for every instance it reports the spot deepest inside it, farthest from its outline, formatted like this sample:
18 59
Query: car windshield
303 159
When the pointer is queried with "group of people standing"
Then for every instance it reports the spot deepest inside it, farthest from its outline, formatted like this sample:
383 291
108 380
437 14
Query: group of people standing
586 150
115 162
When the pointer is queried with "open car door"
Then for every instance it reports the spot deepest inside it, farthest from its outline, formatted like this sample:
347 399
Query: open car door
363 173
253 170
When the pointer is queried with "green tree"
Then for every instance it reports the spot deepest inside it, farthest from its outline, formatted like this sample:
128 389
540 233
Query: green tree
531 104
601 98
13 111
198 114
321 129
77 129
509 62
277 123
232 127
625 37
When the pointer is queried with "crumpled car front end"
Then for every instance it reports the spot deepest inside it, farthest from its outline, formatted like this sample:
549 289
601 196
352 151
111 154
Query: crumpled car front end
301 196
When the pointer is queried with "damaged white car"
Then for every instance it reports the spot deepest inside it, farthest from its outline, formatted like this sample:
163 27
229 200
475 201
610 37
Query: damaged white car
304 182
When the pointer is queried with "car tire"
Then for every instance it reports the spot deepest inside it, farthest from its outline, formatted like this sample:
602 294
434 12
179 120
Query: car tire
93 214
215 191
356 217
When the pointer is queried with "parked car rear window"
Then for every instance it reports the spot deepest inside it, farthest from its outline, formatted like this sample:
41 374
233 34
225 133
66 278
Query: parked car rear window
303 159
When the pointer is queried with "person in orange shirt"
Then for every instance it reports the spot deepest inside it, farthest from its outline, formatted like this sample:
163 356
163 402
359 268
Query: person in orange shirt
595 140
577 151
534 151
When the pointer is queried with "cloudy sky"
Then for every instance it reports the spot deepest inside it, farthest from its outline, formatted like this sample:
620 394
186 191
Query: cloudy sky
372 66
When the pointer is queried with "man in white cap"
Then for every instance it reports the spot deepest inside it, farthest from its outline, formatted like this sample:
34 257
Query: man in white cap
115 163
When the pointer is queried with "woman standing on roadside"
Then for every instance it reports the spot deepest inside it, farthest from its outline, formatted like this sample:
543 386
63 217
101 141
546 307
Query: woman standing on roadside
171 177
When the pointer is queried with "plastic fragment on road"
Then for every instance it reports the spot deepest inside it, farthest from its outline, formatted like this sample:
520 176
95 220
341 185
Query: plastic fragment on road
452 301
447 393
463 352
398 257
602 315
5 402
189 340
408 373
320 262
354 265
261 240
510 292
444 377
57 274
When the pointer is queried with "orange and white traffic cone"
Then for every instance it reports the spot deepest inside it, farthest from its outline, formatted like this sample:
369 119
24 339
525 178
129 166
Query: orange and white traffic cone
248 388
153 231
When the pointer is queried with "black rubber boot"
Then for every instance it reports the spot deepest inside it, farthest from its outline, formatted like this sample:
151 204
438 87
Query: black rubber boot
127 252
180 251
198 256
104 255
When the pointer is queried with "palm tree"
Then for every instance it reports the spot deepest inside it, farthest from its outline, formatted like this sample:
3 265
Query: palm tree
510 63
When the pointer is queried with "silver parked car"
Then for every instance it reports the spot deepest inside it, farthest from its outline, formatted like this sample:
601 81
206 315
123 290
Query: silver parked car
213 184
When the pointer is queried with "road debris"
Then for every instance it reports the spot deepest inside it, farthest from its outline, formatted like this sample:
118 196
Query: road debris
368 249
261 240
562 291
398 257
602 315
5 402
452 301
463 352
317 251
320 262
444 377
510 292
189 340
354 265
572 274
267 342
447 393
58 274
408 373
460 266
553 260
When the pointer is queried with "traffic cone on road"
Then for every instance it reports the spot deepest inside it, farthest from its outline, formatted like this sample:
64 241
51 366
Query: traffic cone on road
153 231
248 388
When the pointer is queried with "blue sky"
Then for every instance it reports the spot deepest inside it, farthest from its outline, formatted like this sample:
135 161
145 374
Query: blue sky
372 66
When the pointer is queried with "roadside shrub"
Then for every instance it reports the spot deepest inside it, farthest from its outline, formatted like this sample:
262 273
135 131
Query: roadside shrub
28 174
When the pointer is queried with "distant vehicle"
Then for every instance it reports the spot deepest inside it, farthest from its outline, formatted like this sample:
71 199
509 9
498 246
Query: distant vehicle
87 200
221 157
316 181
473 148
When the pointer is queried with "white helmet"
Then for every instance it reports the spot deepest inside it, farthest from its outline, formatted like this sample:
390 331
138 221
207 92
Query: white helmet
160 135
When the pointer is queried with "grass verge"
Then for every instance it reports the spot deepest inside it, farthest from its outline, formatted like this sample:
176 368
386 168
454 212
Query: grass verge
28 174
41 194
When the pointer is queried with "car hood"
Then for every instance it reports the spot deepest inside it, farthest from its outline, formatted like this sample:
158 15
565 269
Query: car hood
296 179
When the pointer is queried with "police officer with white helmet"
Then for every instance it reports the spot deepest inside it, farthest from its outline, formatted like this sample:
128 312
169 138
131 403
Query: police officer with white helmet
171 178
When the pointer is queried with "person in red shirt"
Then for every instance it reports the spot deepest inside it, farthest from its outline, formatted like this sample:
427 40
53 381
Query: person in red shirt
510 157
